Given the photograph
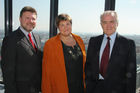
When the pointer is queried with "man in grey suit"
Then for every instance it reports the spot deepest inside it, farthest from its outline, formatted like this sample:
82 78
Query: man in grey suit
22 56
111 60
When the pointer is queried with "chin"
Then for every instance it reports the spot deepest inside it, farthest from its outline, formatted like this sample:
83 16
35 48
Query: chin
30 29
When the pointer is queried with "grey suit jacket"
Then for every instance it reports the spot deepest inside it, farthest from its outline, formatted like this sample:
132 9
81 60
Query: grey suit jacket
21 64
121 72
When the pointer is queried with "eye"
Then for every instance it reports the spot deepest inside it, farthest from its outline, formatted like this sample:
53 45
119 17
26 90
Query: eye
33 19
62 25
27 18
112 21
68 24
104 22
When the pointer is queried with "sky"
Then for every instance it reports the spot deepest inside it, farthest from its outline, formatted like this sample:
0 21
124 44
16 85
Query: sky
85 14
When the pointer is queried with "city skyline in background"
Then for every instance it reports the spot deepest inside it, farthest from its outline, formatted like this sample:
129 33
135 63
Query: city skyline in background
85 14
86 19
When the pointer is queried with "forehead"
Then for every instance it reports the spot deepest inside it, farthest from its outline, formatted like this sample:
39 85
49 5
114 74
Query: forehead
108 17
27 13
64 21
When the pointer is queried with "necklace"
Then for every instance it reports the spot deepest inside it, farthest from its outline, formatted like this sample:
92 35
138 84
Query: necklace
68 40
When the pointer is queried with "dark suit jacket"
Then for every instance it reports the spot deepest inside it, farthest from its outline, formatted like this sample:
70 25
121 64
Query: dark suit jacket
21 64
121 72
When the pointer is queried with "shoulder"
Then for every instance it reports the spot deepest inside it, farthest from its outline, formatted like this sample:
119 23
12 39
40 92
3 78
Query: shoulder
52 40
78 39
96 38
124 39
11 36
52 44
36 34
77 36
10 40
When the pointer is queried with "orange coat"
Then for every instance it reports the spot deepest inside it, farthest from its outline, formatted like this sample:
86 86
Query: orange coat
54 78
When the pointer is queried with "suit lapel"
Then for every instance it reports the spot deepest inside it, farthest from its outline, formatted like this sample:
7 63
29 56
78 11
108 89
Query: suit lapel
24 39
98 46
36 38
94 53
115 48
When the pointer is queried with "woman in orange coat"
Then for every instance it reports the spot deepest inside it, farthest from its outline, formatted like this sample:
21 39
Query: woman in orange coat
63 60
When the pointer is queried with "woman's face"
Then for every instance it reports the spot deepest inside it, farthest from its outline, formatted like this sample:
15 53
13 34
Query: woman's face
65 28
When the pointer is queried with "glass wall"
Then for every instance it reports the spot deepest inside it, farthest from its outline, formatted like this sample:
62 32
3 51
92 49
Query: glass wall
43 11
129 17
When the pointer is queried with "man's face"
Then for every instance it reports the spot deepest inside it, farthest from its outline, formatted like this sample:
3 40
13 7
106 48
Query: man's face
28 21
109 24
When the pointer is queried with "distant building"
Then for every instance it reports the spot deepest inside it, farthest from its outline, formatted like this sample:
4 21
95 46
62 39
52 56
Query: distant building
138 76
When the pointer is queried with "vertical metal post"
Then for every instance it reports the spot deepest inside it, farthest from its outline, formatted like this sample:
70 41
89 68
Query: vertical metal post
8 16
109 5
53 14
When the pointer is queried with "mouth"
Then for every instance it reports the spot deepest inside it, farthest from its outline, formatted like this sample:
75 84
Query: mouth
31 25
65 30
108 29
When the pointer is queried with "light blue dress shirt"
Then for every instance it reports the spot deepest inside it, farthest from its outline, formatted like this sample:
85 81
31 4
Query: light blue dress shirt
112 40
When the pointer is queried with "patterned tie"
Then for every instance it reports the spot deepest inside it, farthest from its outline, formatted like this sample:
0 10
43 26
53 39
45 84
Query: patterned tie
105 58
31 41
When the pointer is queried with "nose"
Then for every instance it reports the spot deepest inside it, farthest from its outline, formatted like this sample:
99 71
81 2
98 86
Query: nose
65 27
108 24
31 20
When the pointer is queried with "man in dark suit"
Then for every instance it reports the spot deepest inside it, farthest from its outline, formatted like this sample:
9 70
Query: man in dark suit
113 71
22 56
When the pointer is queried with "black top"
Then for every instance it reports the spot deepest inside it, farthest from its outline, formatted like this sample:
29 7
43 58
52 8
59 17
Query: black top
74 68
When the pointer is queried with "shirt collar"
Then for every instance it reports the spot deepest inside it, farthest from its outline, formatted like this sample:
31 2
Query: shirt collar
112 37
24 31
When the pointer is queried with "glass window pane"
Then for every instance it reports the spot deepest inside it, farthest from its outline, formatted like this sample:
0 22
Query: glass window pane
129 17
